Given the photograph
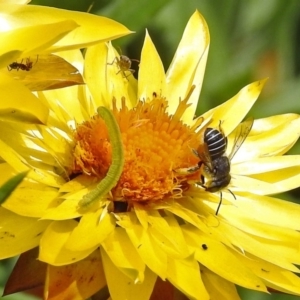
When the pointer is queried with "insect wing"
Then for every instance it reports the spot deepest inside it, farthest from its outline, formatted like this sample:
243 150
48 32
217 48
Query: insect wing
203 154
242 133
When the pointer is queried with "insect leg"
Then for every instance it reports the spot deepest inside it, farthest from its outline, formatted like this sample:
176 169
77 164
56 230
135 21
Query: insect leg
219 204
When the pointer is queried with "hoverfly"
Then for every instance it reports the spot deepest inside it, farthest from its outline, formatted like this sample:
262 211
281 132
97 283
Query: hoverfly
24 67
214 164
124 64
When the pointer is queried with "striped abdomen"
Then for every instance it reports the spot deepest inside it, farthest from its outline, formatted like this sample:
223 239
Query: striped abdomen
216 142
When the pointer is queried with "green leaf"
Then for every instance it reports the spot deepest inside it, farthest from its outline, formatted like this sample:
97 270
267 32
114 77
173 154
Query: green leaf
8 187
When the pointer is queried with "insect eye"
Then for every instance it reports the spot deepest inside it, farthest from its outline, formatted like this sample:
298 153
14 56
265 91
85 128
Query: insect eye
215 170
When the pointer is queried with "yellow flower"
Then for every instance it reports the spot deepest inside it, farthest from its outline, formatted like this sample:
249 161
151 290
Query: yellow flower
28 32
158 221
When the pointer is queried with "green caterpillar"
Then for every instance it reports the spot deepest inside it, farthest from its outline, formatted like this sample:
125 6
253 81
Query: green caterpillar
116 167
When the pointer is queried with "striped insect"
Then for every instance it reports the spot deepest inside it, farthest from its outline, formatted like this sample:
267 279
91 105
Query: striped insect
116 167
214 164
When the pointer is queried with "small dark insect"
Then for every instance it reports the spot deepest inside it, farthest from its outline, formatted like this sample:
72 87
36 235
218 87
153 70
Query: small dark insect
124 64
204 247
20 66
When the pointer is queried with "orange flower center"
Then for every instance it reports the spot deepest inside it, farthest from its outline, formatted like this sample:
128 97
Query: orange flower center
155 145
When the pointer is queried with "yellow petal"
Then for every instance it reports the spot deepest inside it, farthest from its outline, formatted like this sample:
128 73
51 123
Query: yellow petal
186 214
124 287
98 227
188 65
15 160
124 255
48 72
277 184
269 142
31 199
76 184
275 277
76 281
152 77
152 255
271 210
168 234
15 1
267 164
261 229
92 28
218 287
68 109
18 234
95 74
104 78
185 276
215 256
15 40
22 103
52 244
66 207
234 110
257 248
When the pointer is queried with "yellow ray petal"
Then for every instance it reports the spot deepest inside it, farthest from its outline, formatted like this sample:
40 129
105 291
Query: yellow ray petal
152 255
64 209
261 229
124 255
78 183
276 140
188 65
15 40
167 233
74 57
257 248
95 74
16 161
22 103
266 164
260 187
185 276
98 224
232 112
76 281
275 277
104 78
271 210
31 199
124 287
52 244
60 103
218 287
216 256
152 77
89 32
18 234
45 72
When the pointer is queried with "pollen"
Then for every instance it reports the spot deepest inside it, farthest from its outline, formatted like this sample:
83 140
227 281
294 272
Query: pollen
156 144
